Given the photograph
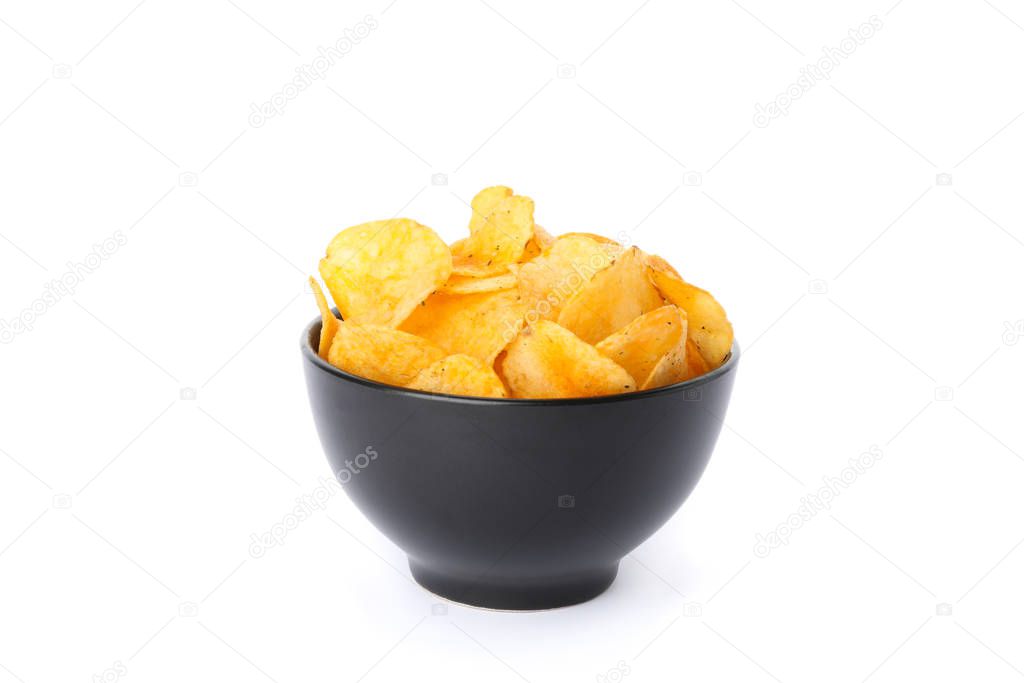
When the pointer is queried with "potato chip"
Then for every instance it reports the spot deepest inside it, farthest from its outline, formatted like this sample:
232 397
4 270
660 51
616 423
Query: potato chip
670 369
708 327
501 240
531 252
597 238
484 204
329 324
658 263
695 363
641 345
550 280
381 353
678 365
542 237
379 272
479 325
612 299
548 361
460 375
541 240
463 284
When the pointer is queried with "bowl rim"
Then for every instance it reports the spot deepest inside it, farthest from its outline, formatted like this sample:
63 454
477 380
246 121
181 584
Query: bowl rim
313 357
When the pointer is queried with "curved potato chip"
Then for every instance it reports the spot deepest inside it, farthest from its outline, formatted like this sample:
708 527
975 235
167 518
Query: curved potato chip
531 252
542 237
381 353
695 363
670 369
708 327
328 323
460 375
378 272
479 325
597 238
541 240
547 282
641 345
463 284
612 299
678 365
548 361
484 204
658 263
501 240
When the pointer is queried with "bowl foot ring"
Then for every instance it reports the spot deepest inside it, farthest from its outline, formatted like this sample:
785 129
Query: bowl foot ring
506 594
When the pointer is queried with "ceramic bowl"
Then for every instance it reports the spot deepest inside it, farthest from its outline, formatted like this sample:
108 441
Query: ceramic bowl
515 504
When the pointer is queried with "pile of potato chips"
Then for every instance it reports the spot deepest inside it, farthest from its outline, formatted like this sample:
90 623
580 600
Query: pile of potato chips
511 311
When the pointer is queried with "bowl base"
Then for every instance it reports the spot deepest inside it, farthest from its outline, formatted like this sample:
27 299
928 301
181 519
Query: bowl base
538 594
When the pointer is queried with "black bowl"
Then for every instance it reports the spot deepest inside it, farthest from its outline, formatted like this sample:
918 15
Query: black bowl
515 504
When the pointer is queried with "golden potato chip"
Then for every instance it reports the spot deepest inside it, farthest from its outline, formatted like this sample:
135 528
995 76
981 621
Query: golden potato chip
542 237
479 325
329 324
541 240
695 363
671 368
658 263
708 327
640 346
531 252
484 204
612 299
381 353
461 375
463 284
548 361
678 365
597 238
378 272
547 282
501 240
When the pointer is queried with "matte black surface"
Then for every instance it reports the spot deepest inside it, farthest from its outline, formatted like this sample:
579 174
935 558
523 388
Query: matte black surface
515 504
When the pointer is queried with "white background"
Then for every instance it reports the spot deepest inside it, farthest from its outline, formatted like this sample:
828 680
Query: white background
875 307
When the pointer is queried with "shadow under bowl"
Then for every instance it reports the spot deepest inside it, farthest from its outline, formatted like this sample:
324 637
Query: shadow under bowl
515 504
